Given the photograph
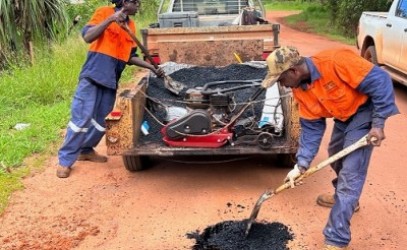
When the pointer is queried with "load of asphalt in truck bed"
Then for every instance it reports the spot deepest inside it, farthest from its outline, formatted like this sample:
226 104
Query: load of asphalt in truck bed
193 77
230 235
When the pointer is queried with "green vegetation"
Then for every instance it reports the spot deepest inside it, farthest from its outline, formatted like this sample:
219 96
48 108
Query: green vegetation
336 19
27 23
40 95
316 19
8 184
312 17
273 5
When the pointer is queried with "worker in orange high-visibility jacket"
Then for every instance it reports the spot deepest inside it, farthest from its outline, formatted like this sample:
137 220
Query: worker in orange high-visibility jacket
111 49
359 97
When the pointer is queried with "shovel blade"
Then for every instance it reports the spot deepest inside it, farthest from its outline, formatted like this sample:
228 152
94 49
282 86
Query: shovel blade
173 86
256 209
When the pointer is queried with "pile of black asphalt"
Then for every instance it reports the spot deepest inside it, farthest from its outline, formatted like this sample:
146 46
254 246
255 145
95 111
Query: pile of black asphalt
230 235
197 77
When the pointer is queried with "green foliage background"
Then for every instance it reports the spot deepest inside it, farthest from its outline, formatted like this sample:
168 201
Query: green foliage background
27 22
346 13
342 14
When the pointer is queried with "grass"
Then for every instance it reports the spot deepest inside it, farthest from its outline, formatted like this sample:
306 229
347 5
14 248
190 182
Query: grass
313 18
287 5
39 96
10 183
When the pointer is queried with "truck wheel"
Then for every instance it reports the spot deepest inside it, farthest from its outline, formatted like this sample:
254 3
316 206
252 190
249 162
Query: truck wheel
287 160
370 54
135 163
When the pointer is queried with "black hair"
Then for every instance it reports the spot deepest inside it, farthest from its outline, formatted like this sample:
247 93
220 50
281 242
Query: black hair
118 3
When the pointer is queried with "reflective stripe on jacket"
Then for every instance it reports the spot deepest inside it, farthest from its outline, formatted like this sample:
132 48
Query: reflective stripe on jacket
334 93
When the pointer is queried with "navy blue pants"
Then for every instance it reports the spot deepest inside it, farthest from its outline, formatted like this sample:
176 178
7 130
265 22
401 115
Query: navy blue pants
351 175
91 104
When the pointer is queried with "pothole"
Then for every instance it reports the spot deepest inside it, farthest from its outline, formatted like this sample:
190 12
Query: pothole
230 235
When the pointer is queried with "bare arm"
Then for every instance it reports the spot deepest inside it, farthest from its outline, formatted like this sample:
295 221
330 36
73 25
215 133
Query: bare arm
141 63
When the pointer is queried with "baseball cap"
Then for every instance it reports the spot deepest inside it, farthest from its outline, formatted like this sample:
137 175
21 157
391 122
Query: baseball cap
279 61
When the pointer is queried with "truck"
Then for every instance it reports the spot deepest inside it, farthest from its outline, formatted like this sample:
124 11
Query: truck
203 31
382 39
216 50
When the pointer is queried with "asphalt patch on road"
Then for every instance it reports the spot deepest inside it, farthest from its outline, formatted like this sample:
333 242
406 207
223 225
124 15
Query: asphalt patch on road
230 235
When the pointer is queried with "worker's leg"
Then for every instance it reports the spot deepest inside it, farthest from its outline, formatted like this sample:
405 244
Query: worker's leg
82 110
335 145
351 179
105 100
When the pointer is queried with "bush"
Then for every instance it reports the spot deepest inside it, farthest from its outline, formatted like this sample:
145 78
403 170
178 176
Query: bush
349 12
84 10
147 13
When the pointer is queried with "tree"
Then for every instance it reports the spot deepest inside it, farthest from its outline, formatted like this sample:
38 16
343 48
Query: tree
25 22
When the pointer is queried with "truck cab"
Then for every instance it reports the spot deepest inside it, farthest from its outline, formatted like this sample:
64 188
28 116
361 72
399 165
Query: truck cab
203 13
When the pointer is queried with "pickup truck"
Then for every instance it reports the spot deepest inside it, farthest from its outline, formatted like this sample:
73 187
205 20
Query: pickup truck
215 48
210 32
382 39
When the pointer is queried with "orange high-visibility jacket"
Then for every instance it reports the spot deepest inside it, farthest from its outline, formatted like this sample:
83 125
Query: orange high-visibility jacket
334 94
114 41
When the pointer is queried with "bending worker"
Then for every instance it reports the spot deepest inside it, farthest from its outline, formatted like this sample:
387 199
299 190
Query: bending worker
359 97
111 48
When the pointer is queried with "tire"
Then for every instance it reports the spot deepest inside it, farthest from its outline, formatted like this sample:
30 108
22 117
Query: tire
370 54
287 160
134 163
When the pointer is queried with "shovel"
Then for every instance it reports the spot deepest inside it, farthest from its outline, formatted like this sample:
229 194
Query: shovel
270 193
173 86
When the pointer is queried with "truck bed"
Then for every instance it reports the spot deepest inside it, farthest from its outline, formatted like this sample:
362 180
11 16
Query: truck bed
136 106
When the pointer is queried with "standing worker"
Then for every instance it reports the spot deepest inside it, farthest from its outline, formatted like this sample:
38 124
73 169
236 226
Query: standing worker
359 96
111 48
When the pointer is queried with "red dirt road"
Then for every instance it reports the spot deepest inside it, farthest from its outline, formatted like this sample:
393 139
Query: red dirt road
102 206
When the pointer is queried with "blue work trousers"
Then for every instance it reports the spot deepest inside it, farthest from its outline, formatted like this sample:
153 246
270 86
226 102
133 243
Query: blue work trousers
91 104
351 174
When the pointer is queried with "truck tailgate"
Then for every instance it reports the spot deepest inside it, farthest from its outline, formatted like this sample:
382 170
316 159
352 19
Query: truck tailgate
265 36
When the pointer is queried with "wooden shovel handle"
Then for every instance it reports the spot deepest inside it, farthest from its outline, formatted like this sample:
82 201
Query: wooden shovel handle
143 49
349 149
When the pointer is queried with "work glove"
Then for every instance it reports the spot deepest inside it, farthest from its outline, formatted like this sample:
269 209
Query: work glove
294 174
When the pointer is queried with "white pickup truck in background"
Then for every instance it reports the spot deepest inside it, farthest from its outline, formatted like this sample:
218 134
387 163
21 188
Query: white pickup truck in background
382 39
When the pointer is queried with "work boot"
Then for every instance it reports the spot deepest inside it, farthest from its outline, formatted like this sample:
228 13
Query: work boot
329 247
93 157
328 200
63 172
